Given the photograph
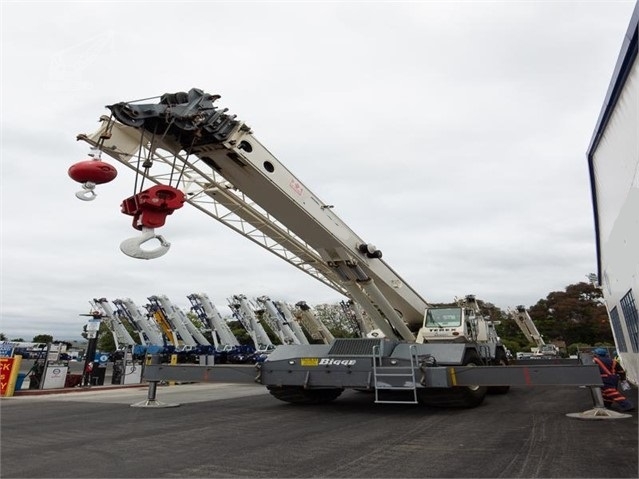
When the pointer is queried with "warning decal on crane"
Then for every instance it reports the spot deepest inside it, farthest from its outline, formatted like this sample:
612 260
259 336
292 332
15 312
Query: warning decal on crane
309 362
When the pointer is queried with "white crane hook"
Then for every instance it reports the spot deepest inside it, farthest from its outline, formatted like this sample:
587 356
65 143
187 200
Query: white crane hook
133 246
87 193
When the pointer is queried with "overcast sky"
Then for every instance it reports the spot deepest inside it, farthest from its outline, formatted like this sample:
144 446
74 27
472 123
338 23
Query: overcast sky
452 135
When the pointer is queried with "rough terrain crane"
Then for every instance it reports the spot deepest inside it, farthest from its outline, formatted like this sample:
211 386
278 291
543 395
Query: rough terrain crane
524 321
462 323
148 331
191 335
121 336
126 368
207 312
244 312
291 320
168 329
354 312
196 153
278 322
314 326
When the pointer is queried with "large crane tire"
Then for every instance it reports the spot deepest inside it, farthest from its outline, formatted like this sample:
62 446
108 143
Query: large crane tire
458 396
299 395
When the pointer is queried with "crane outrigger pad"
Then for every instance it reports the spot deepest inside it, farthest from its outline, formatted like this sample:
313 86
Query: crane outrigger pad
154 404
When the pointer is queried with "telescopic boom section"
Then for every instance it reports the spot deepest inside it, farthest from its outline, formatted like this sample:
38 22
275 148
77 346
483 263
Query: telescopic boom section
273 200
527 326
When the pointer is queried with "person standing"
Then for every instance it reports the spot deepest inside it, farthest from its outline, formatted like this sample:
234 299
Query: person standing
611 373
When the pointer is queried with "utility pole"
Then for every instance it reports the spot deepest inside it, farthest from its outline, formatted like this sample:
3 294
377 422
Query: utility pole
93 331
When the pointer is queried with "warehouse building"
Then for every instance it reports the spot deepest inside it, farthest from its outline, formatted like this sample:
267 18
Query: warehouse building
613 160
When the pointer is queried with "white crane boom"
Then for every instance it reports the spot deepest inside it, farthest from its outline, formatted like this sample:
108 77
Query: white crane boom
292 321
527 326
182 323
282 327
244 312
162 306
312 323
168 329
230 175
206 310
120 334
353 311
148 330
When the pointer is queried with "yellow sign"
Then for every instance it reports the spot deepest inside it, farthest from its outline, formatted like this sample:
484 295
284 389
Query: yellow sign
309 362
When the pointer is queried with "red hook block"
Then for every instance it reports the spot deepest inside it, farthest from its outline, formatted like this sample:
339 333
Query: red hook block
150 208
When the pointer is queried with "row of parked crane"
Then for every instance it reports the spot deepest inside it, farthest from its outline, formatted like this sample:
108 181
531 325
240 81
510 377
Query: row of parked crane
163 327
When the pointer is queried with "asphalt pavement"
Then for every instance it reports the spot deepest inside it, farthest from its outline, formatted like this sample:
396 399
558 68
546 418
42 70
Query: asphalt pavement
239 430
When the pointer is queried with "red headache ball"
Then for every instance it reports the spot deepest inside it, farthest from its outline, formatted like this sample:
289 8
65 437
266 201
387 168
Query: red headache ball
95 171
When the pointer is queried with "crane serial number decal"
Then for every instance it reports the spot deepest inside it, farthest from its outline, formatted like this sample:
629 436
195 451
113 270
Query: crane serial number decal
327 362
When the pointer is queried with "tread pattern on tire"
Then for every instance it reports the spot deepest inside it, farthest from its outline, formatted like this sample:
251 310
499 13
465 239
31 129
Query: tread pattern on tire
455 397
299 395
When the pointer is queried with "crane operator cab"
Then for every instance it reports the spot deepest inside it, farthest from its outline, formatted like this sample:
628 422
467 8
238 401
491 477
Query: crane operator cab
460 324
444 324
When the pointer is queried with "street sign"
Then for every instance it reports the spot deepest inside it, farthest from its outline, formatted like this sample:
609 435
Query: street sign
6 349
93 325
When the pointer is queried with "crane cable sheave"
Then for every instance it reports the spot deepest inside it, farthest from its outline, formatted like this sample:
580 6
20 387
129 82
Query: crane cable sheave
192 118
191 114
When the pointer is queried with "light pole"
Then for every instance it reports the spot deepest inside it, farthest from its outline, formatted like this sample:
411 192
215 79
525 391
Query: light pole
93 331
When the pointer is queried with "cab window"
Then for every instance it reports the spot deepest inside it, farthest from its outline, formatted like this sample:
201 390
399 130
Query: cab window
443 318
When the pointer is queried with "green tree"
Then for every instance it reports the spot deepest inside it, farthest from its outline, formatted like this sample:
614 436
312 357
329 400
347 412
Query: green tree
509 330
574 348
260 316
42 338
575 315
240 333
106 342
333 317
514 346
132 331
197 322
2 337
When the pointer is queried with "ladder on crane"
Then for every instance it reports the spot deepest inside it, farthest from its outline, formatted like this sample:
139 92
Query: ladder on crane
380 373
